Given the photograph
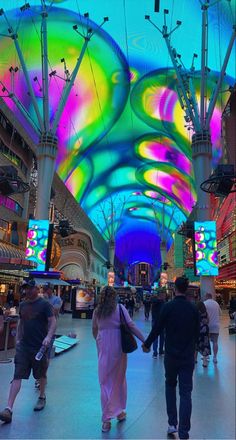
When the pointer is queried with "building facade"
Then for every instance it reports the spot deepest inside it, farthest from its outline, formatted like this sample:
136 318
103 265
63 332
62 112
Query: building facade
84 252
16 150
81 256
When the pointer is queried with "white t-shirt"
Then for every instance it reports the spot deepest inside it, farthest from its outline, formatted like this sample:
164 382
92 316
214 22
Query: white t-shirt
214 312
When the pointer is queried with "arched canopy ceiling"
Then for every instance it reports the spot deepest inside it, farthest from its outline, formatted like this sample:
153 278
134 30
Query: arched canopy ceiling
124 148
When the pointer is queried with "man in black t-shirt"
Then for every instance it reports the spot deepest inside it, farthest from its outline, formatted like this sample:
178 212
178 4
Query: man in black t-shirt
35 329
180 320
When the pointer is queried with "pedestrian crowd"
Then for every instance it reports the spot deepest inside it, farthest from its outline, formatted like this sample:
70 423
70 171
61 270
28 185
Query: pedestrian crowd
181 328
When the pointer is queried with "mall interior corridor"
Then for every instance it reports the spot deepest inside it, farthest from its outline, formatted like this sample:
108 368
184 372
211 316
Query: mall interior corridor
73 401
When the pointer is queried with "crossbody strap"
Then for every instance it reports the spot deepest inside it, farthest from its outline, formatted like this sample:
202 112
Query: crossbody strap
122 316
123 320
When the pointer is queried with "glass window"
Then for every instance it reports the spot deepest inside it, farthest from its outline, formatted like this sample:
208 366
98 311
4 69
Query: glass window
11 204
14 158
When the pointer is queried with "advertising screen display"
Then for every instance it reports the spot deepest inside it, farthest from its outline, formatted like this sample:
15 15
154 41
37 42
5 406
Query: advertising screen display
84 298
163 279
188 253
205 255
37 242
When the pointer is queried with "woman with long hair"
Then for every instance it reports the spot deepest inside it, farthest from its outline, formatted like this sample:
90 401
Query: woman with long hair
203 344
112 362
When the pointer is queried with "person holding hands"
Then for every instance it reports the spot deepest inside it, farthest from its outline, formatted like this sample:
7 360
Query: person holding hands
180 320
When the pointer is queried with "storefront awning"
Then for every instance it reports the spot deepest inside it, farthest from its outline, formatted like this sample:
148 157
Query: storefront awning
13 258
55 281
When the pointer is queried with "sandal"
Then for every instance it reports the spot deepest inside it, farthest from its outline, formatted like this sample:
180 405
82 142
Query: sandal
106 426
121 416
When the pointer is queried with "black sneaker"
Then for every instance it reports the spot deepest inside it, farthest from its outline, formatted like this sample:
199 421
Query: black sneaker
40 404
154 355
6 415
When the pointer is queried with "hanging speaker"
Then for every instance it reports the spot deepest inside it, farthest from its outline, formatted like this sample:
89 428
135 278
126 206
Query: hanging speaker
223 187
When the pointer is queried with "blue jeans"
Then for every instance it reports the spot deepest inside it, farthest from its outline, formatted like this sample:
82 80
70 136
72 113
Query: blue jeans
183 371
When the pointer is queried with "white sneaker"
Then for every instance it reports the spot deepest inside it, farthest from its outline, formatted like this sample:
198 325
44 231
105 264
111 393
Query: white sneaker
171 429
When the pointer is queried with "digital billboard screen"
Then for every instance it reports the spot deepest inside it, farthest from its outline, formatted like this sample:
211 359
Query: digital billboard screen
205 254
85 298
37 242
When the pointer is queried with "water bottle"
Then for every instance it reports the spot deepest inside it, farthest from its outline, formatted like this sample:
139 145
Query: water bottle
41 352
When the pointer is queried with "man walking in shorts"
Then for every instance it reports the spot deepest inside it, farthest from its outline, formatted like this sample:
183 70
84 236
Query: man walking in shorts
35 329
56 303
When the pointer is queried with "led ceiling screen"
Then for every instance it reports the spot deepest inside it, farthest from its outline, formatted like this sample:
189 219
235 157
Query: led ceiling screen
124 145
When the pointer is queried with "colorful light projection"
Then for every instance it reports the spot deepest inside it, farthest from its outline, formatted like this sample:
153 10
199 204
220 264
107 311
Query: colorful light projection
159 148
171 183
116 178
154 100
156 196
114 172
206 261
136 240
95 102
37 242
106 144
133 209
165 215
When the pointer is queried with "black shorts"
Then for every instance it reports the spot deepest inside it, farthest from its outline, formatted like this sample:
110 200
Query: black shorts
25 362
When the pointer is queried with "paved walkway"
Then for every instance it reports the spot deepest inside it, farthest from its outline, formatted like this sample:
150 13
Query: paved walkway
73 402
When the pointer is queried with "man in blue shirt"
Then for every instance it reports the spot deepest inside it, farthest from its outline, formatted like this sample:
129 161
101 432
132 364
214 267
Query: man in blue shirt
54 300
180 320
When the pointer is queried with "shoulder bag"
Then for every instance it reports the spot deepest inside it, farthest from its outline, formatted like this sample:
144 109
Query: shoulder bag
128 341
